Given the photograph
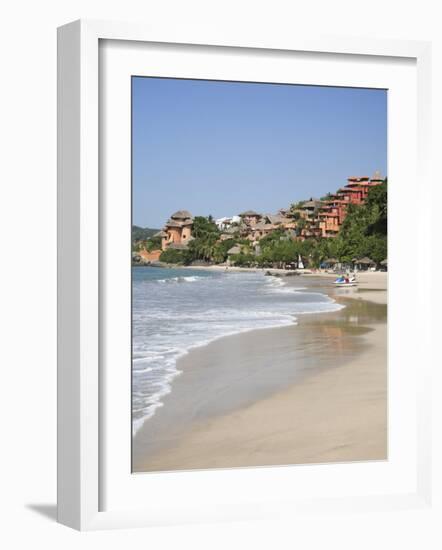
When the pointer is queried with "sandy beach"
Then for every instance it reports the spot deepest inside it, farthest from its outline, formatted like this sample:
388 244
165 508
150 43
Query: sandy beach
313 392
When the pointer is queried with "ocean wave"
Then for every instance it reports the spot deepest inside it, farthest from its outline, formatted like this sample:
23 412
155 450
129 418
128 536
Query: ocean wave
170 321
279 285
183 279
146 406
288 289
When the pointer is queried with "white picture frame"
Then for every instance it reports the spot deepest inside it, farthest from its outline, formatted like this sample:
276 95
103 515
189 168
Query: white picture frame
80 393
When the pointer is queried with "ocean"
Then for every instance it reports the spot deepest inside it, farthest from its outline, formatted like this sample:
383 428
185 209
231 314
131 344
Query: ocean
174 310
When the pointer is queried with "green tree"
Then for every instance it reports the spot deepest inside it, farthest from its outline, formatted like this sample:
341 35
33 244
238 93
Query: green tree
220 250
278 249
243 259
300 225
364 230
173 256
154 243
326 197
204 244
296 206
204 227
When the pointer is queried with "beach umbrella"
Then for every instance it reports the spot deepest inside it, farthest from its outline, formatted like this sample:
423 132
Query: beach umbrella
366 261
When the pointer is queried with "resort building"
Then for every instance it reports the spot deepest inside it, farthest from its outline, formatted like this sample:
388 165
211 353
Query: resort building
329 220
311 207
229 233
312 231
226 222
260 230
255 230
250 217
278 220
357 188
332 214
310 219
177 233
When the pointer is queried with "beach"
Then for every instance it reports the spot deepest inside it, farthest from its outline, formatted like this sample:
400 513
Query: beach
239 401
310 392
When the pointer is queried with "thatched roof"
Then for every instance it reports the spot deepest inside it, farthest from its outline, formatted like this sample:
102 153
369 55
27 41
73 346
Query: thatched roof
331 261
178 223
384 262
173 223
160 234
234 250
313 203
181 215
250 213
365 261
276 219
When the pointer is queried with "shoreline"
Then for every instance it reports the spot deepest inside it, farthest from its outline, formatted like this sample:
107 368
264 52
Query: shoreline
224 418
372 284
367 280
285 429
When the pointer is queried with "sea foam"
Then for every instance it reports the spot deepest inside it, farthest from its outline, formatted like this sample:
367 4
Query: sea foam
169 319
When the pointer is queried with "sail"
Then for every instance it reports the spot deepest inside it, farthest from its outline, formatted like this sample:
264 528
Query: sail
300 264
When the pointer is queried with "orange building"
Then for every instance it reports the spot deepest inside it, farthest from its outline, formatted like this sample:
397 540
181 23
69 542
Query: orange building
330 216
177 232
329 220
357 188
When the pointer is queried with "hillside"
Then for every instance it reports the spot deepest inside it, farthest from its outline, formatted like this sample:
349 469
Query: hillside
142 233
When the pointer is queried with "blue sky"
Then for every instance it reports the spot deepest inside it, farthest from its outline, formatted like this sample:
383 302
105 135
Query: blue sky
221 148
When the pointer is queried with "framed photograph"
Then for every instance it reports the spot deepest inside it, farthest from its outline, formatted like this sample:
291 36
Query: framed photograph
236 336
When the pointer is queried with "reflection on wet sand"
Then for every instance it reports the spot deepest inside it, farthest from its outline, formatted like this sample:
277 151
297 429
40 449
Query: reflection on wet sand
233 376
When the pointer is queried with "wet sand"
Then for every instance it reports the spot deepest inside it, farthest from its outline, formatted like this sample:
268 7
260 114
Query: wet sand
312 392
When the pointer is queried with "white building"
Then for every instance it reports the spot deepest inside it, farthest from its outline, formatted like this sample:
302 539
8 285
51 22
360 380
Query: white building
224 223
